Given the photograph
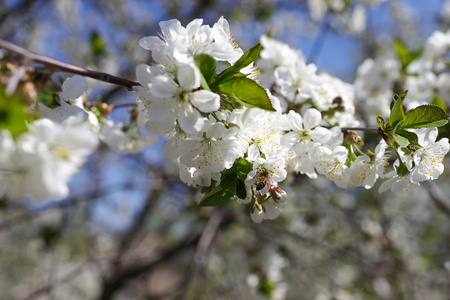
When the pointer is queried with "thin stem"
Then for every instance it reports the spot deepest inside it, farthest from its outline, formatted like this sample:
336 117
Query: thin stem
376 130
358 150
62 66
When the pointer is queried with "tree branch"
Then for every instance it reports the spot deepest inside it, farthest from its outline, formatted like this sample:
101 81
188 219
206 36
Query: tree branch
437 197
29 56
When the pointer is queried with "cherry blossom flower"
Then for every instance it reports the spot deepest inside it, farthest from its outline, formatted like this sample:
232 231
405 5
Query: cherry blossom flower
179 101
428 160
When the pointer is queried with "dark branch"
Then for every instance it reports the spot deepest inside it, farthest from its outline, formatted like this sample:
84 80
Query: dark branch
62 66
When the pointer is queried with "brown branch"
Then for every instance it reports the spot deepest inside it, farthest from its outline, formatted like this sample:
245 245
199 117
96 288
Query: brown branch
29 56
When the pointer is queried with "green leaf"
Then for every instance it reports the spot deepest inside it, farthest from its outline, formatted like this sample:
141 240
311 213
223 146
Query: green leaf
98 45
403 138
247 58
425 116
250 93
241 190
401 50
206 64
381 122
228 182
216 197
405 56
46 96
439 102
13 113
243 166
397 113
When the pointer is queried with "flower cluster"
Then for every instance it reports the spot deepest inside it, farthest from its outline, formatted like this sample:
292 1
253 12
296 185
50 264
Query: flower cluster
299 86
239 123
238 138
39 162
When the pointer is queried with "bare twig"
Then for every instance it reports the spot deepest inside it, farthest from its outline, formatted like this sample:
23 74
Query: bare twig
206 238
438 197
376 130
29 56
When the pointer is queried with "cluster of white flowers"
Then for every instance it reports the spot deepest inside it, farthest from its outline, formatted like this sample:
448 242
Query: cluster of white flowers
39 162
424 164
299 87
207 139
430 73
373 85
426 78
237 135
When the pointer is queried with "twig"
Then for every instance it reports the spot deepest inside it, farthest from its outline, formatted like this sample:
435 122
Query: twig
62 66
208 234
437 197
375 130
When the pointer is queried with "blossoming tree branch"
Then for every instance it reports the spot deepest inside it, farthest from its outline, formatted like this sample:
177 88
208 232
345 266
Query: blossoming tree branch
236 123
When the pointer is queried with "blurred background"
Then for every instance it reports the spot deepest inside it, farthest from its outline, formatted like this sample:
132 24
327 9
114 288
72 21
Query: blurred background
132 230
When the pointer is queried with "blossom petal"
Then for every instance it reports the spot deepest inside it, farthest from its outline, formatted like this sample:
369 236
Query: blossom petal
320 134
311 118
73 88
188 76
190 119
206 101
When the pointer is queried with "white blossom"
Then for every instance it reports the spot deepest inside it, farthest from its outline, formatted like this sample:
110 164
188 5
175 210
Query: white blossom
428 160
44 158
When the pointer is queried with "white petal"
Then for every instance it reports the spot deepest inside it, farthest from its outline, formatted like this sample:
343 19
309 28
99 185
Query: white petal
295 121
206 101
163 87
257 216
190 119
311 118
320 134
172 28
188 76
73 88
143 74
193 27
150 43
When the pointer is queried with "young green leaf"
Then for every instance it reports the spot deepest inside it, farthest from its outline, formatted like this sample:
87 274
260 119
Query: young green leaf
13 113
404 138
250 93
241 190
216 197
401 50
439 102
404 55
228 183
247 58
243 166
397 113
425 116
206 64
98 44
